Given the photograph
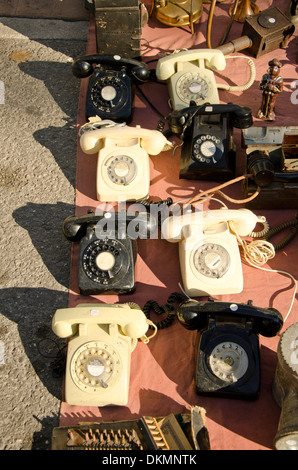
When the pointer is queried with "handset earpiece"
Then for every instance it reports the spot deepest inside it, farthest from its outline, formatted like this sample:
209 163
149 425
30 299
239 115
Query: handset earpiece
81 67
189 317
141 72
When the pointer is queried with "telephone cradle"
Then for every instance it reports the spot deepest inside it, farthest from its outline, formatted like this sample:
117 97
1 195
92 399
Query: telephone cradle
227 357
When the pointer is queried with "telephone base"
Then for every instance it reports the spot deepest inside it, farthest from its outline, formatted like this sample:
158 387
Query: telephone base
228 362
208 151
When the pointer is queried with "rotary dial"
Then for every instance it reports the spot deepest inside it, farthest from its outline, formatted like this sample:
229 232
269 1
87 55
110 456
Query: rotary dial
121 169
103 260
107 91
228 361
191 87
206 149
212 260
95 365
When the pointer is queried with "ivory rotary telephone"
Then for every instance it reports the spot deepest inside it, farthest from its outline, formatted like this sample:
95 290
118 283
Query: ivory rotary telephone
111 88
101 340
209 255
228 356
123 163
190 77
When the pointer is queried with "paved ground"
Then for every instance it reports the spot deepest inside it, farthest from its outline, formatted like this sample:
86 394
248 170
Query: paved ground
38 109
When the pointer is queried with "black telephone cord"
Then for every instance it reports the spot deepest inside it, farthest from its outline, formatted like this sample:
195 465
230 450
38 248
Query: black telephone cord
168 309
290 224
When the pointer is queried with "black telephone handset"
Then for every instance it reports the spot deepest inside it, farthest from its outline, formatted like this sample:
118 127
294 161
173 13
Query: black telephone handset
110 90
208 149
228 357
108 249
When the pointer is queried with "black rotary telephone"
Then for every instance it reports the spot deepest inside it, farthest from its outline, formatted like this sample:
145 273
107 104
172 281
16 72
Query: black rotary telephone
111 87
228 358
108 249
208 150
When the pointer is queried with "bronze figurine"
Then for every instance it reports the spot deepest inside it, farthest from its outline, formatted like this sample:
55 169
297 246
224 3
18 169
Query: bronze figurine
271 85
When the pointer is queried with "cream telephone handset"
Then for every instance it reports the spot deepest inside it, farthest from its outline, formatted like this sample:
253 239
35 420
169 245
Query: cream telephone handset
190 76
123 163
102 337
209 255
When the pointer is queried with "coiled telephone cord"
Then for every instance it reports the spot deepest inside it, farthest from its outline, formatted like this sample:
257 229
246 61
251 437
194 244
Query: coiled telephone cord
167 309
290 224
259 252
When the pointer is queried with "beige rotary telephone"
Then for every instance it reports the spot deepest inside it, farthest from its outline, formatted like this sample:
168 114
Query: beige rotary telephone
209 255
102 337
190 77
123 162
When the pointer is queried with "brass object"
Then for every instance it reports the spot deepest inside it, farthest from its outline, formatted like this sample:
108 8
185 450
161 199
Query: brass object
244 8
262 33
292 11
179 12
271 85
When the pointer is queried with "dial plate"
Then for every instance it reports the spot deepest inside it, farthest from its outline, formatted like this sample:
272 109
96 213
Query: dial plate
191 87
95 366
211 260
121 169
228 361
103 260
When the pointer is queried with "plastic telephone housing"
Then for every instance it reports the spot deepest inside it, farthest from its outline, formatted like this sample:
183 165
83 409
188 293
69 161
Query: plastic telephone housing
189 76
131 145
209 255
99 351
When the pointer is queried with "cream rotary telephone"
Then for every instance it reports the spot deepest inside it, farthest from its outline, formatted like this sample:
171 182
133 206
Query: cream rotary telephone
209 255
123 160
189 75
102 338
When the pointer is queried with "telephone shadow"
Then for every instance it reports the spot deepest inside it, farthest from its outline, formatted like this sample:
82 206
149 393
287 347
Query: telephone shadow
43 223
32 310
64 88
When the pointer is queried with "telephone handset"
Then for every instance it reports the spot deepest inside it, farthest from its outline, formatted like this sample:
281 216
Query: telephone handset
208 150
209 255
123 164
228 357
190 77
110 90
108 249
101 339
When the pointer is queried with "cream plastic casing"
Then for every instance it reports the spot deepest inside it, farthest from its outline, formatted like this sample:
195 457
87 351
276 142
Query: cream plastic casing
126 146
209 231
188 74
99 351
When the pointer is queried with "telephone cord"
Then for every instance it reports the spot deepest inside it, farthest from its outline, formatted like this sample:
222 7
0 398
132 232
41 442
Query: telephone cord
259 252
217 189
168 309
210 20
250 81
144 338
290 224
